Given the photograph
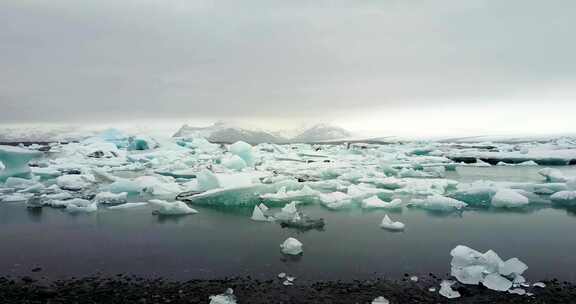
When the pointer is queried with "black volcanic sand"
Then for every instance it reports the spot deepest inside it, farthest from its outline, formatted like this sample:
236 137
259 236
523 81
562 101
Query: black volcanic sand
128 290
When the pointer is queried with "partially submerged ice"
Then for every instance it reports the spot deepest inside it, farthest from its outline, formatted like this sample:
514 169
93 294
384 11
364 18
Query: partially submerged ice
507 198
171 208
438 203
391 225
380 300
291 246
15 161
472 267
447 291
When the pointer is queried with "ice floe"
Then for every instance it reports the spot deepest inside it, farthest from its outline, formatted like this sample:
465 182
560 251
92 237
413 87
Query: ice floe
291 246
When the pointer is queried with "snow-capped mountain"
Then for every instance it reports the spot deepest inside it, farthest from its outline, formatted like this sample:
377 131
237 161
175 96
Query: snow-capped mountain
42 134
322 132
223 132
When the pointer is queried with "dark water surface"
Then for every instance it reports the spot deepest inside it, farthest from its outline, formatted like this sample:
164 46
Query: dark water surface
218 243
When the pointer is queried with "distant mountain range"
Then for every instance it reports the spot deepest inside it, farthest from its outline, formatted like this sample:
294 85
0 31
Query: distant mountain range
42 134
222 132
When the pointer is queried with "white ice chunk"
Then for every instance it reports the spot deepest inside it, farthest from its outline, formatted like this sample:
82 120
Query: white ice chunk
539 284
517 291
15 161
244 151
224 298
128 205
512 266
74 182
234 162
380 300
79 205
553 175
291 246
171 208
567 198
497 282
508 198
258 214
438 203
447 291
15 197
207 180
109 198
389 224
374 202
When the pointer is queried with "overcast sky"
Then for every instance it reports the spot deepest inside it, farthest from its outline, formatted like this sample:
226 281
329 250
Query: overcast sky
392 66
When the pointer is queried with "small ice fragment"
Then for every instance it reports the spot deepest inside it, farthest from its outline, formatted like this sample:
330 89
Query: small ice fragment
496 282
128 205
109 198
79 205
447 291
374 202
288 283
258 215
225 298
539 284
171 208
414 278
432 289
282 275
388 224
518 291
380 300
291 279
291 246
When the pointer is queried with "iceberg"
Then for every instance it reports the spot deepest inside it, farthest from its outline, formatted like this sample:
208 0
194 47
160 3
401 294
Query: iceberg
566 198
438 203
79 205
128 205
244 151
374 202
171 208
207 180
74 182
554 175
109 198
291 246
506 198
15 161
258 214
388 224
234 162
306 193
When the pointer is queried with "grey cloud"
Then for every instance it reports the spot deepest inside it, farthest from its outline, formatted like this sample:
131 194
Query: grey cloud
106 60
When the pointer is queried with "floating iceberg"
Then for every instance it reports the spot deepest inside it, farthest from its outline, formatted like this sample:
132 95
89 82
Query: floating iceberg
234 162
554 175
258 214
507 198
74 182
79 205
15 161
109 198
291 246
171 208
306 193
207 180
438 203
566 198
389 224
375 203
244 151
128 205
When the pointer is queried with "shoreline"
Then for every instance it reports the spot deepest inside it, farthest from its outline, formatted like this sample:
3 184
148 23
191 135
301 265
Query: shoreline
131 289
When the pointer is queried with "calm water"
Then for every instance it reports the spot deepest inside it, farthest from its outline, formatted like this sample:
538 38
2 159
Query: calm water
217 243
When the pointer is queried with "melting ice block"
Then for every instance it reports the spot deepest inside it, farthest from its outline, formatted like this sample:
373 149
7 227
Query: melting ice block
244 151
258 214
234 162
472 267
15 161
374 202
171 208
109 198
207 180
447 291
438 203
74 182
291 246
508 198
567 198
225 298
79 205
389 224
